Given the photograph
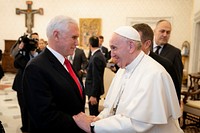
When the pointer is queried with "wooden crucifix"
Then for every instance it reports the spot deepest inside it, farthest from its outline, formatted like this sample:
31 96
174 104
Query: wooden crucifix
29 15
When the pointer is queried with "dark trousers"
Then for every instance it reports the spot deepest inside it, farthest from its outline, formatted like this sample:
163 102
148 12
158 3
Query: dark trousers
94 109
24 112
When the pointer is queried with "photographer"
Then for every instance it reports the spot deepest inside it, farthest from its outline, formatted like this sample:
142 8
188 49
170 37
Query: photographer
27 51
15 47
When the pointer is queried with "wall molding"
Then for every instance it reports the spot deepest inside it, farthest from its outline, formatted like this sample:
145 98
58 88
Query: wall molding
196 47
197 17
151 21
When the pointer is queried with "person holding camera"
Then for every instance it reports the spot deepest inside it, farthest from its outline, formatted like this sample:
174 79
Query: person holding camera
27 51
15 47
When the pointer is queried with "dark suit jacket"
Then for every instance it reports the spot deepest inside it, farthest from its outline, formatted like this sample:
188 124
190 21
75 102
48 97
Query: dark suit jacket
80 61
104 51
21 59
174 55
51 95
170 69
94 85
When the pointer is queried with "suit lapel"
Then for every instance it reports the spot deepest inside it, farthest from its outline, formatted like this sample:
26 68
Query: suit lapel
60 68
92 56
164 50
56 64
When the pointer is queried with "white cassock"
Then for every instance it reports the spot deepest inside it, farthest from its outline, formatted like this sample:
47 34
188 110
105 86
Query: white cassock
146 99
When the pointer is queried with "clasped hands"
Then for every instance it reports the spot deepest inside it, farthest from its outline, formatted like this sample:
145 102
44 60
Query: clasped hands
84 121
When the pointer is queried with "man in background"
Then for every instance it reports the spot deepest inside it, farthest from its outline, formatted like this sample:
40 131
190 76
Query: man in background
94 83
26 52
15 47
103 49
79 62
35 36
41 45
161 46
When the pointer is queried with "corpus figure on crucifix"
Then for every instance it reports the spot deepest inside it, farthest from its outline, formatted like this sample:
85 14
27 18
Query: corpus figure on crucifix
29 14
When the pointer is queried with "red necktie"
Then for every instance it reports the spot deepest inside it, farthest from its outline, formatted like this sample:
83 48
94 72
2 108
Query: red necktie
71 72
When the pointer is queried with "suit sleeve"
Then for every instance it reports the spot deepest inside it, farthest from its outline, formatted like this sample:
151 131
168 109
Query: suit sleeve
96 70
41 104
84 61
179 66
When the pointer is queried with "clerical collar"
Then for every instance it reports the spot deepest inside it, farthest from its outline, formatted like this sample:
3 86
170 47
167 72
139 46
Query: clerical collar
131 67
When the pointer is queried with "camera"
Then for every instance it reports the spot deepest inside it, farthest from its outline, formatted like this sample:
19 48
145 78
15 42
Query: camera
29 43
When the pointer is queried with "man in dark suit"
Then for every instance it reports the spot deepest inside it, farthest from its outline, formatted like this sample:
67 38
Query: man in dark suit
79 62
94 85
161 37
103 49
146 34
52 95
27 51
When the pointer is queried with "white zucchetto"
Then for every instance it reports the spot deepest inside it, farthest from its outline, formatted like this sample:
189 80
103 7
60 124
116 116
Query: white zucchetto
128 32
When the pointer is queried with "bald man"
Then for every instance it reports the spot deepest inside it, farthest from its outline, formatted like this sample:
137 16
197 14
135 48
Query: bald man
162 33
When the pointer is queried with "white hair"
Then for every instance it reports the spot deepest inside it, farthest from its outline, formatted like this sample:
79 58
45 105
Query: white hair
59 23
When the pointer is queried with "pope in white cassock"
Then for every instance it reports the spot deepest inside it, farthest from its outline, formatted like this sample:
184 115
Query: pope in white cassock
142 96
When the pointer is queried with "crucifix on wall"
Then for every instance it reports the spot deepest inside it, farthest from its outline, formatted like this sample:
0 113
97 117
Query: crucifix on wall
29 15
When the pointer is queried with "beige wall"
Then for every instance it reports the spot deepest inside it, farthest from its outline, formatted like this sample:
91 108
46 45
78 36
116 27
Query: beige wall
196 6
194 57
112 12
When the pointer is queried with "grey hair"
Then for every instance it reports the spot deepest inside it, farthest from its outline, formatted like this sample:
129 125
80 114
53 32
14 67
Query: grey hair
59 23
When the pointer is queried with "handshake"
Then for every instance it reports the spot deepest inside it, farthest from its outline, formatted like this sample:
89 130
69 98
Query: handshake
84 121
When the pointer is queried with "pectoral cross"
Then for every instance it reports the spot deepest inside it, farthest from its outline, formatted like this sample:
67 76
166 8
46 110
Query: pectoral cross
29 15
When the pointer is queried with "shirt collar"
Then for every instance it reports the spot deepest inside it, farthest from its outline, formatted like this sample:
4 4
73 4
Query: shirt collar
95 51
155 46
57 55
